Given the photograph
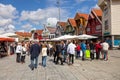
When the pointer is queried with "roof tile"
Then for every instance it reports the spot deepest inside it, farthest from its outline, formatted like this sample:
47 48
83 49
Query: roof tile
78 15
39 32
23 34
63 24
97 11
72 22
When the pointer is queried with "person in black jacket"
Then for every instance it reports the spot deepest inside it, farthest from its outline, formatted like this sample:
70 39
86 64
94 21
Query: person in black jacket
59 53
35 50
91 44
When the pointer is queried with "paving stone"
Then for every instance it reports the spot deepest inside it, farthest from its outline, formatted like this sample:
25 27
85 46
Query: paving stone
80 70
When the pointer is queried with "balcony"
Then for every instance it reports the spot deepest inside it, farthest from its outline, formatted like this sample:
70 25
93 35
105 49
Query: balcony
102 3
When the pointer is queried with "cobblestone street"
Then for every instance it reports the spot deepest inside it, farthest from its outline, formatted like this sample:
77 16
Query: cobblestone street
81 70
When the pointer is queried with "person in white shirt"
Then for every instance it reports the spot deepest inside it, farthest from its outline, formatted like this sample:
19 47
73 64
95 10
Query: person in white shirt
18 52
71 51
105 47
44 55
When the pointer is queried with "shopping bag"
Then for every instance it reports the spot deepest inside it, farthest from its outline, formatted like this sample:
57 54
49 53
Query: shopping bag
81 53
94 53
87 53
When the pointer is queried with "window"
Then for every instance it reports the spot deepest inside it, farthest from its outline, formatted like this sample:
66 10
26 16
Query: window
106 25
88 29
81 32
80 26
105 11
98 27
49 36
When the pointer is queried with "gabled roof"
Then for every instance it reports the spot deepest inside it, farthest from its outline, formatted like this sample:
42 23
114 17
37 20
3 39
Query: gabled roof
78 15
23 34
39 32
72 22
51 29
62 24
91 15
97 11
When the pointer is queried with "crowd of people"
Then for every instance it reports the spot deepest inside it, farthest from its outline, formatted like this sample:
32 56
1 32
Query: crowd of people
62 51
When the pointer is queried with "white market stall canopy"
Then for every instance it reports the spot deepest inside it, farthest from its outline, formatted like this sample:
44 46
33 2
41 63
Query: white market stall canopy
68 37
64 37
85 36
10 34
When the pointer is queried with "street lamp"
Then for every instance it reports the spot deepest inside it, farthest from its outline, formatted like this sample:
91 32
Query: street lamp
58 3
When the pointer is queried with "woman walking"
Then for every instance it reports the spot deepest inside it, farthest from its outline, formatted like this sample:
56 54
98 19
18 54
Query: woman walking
23 53
44 55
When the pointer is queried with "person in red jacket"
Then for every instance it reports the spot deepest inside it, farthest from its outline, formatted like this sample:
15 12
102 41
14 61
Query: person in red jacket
98 48
78 48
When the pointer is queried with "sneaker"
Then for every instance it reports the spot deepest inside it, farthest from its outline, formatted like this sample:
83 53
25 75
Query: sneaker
32 68
105 59
62 64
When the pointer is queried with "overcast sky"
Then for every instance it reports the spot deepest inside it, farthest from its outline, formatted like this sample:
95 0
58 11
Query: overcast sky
24 15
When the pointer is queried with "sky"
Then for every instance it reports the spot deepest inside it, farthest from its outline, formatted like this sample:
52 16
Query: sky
27 15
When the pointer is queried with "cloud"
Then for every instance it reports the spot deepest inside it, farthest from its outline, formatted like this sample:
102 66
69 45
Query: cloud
7 15
2 30
40 16
52 22
7 11
27 26
33 29
4 22
84 9
9 28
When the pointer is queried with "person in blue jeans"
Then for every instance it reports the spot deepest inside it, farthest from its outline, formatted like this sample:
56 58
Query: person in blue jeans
34 54
44 55
83 47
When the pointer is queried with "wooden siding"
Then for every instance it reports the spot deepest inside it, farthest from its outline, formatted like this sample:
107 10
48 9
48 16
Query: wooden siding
115 15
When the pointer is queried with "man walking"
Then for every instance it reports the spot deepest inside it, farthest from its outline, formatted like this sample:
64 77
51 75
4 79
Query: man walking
18 52
34 52
59 53
91 50
105 47
71 50
83 47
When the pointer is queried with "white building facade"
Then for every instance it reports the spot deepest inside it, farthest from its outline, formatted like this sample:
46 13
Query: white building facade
111 20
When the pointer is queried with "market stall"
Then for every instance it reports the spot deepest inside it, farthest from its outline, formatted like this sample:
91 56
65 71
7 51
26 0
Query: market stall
4 44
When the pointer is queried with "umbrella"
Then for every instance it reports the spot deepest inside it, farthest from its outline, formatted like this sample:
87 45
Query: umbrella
55 39
4 38
10 34
7 39
64 37
85 36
